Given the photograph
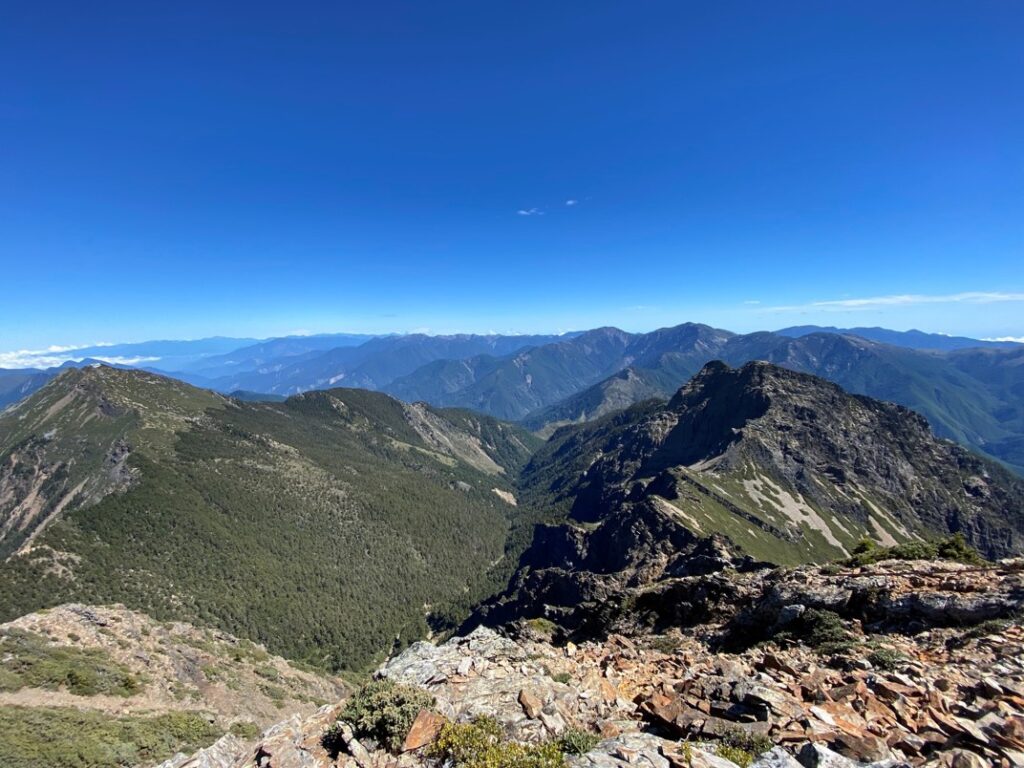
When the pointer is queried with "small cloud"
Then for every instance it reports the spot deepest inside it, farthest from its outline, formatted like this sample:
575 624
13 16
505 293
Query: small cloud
752 301
571 202
904 300
530 212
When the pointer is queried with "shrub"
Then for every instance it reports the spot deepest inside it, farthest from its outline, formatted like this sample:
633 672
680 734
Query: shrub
245 729
561 677
57 737
741 757
664 644
479 744
577 742
886 659
954 548
754 744
384 710
27 660
542 626
823 630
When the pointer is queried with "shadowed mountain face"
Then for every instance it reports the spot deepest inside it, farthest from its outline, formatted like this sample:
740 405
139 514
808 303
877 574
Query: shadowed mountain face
785 448
751 464
532 379
975 397
325 525
18 384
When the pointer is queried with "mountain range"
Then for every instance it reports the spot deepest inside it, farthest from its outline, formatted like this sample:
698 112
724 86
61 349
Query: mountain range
912 339
971 391
120 485
336 527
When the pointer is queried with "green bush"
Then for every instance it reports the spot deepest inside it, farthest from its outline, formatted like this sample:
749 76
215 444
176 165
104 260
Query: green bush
886 659
55 737
823 630
384 710
738 755
749 743
577 742
27 660
989 627
480 744
245 729
953 548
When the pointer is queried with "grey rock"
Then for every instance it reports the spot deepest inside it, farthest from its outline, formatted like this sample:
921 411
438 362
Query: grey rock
776 757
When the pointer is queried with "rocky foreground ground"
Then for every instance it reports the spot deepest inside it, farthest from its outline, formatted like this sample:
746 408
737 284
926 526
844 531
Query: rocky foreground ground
929 695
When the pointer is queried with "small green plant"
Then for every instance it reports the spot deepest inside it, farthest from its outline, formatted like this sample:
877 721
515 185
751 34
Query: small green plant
561 677
480 744
953 548
741 757
245 729
542 626
275 693
754 744
385 710
664 644
27 660
267 672
57 737
824 631
989 627
577 742
886 659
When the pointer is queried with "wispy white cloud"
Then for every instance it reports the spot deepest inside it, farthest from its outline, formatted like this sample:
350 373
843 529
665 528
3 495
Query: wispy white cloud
57 355
530 212
571 202
903 300
752 301
1015 339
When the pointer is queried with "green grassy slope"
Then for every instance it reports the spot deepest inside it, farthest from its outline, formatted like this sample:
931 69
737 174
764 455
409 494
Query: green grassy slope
325 526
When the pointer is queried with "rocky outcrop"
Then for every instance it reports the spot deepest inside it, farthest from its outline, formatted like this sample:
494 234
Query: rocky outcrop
938 698
165 666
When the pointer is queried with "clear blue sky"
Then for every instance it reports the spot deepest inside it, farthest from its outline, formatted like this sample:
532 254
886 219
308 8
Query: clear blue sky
188 169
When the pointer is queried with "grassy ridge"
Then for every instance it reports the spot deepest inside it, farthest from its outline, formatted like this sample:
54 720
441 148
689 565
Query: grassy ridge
324 527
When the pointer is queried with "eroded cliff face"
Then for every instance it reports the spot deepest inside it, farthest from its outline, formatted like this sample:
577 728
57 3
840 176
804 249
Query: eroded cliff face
789 467
875 676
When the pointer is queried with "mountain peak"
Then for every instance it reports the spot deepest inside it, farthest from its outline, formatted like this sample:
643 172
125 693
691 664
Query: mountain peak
789 466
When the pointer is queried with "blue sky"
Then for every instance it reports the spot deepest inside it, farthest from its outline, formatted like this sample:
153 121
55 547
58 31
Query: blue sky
181 170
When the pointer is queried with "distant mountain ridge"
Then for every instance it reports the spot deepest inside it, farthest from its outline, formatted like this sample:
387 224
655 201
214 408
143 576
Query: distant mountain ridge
912 339
974 395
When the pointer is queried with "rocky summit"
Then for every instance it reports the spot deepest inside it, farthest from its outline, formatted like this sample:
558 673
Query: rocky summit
891 687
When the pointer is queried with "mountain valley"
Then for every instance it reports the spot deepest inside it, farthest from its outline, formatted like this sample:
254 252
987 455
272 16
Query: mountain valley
285 523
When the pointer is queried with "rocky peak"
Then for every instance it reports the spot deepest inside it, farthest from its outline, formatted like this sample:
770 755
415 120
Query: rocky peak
786 465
